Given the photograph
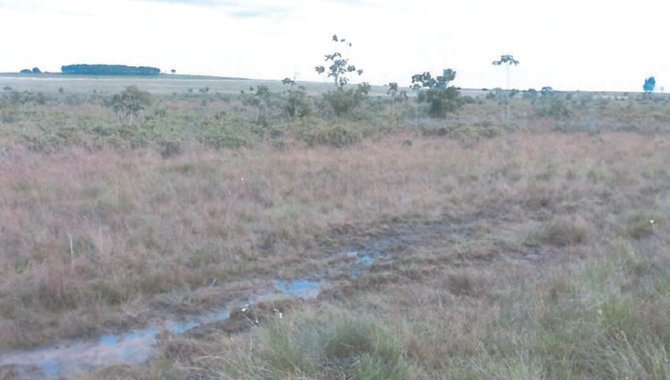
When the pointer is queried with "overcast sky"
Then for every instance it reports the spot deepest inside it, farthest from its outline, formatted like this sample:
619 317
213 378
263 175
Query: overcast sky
567 44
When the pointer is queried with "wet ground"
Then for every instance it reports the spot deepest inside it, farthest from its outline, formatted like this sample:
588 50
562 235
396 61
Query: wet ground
381 246
139 345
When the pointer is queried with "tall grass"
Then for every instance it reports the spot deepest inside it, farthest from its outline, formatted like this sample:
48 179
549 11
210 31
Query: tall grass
105 231
605 318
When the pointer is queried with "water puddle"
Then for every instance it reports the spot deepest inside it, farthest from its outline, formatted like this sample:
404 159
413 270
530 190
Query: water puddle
138 346
301 288
132 347
361 258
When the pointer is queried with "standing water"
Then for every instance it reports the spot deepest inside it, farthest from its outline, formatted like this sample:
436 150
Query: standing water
138 346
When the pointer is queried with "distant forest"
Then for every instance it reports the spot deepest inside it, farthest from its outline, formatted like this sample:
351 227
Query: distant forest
109 70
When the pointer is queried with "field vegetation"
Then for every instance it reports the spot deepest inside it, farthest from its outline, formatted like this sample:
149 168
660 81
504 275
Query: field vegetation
533 246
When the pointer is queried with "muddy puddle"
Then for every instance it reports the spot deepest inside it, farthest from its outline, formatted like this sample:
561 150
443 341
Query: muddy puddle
138 346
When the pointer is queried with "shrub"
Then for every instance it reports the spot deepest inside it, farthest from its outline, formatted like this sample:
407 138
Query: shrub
337 136
342 102
437 94
552 105
219 135
130 103
440 101
169 148
297 104
260 99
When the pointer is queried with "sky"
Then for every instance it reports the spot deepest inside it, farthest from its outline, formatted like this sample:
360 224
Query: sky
569 44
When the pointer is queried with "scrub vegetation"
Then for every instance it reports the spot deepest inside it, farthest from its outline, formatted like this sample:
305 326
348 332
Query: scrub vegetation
528 246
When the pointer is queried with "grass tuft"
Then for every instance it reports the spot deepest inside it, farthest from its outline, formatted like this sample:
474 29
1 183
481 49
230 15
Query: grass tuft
329 344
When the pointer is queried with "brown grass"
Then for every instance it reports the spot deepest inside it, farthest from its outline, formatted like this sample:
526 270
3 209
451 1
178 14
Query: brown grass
94 238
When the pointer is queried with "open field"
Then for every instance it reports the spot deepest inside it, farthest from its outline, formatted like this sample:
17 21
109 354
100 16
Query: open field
164 84
232 239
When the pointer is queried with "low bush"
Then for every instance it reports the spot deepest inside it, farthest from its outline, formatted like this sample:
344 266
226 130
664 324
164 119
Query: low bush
130 104
337 136
343 102
553 106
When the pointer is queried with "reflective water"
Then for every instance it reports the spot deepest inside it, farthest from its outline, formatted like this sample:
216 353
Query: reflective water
131 347
139 345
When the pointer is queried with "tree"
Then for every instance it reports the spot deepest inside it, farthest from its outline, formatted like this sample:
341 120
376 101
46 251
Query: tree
109 70
649 85
342 101
507 60
436 92
339 66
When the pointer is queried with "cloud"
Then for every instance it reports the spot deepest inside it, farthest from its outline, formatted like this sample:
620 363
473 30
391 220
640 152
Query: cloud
194 2
249 13
238 9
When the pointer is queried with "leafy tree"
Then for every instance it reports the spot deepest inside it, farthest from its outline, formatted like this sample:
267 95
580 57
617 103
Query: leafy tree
436 92
506 60
425 80
339 66
649 85
340 69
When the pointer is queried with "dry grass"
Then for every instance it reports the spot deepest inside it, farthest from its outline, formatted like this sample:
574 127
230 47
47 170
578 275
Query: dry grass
95 238
530 250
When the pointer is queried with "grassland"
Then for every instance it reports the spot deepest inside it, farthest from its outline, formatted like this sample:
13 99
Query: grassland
534 248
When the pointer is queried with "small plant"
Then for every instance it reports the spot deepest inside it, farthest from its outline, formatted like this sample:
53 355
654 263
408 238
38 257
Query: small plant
436 92
130 104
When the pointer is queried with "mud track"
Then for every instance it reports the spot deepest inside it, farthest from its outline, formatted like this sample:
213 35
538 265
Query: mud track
380 250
